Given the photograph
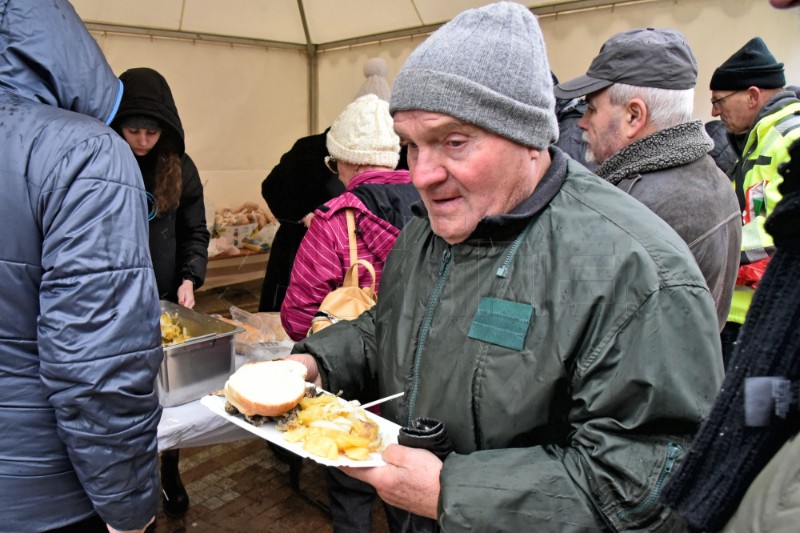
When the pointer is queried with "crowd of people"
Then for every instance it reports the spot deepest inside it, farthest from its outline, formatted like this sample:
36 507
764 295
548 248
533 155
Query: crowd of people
609 346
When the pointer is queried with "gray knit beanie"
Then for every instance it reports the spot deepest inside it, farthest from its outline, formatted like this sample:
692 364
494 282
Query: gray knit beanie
488 67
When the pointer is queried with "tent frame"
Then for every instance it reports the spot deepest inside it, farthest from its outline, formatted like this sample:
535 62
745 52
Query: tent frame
313 49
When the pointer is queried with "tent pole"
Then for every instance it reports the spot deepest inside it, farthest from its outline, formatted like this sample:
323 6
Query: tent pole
313 74
313 90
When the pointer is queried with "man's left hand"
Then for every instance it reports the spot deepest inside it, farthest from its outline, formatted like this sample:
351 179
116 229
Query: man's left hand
410 479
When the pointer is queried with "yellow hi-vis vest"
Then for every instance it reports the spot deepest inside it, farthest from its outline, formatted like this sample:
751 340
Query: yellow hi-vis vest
766 148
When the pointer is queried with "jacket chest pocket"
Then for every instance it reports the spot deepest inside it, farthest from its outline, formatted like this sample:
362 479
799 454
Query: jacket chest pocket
501 322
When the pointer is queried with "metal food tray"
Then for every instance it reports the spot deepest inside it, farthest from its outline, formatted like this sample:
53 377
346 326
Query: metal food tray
202 364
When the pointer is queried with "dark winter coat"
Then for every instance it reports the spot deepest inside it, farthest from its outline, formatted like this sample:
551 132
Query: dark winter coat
671 173
80 345
297 185
178 238
755 419
570 136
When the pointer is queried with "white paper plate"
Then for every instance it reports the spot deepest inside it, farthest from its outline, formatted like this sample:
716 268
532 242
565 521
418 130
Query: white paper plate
388 431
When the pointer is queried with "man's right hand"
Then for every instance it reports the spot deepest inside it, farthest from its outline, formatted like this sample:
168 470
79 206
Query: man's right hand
311 366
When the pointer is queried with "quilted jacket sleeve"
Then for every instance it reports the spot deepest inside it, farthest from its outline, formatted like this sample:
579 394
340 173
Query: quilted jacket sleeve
99 339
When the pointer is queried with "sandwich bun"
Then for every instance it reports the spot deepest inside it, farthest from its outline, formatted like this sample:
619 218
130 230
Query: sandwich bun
267 388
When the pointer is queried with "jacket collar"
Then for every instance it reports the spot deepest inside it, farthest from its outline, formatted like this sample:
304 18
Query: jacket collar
668 148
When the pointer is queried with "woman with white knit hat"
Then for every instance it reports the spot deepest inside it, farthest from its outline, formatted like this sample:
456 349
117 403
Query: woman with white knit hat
364 150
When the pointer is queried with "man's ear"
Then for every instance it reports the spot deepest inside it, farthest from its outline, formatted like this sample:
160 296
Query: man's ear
754 98
635 119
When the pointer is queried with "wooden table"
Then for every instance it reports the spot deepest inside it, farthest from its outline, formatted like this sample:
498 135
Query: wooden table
230 270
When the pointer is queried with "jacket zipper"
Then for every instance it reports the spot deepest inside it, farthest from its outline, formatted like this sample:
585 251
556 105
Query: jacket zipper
433 301
673 450
502 272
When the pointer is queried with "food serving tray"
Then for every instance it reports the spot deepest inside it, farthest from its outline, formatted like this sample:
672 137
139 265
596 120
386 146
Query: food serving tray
267 431
200 365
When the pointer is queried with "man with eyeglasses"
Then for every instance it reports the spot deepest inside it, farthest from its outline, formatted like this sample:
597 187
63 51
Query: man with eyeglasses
762 120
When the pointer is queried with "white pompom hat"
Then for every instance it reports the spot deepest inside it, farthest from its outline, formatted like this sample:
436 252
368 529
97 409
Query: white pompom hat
375 71
363 134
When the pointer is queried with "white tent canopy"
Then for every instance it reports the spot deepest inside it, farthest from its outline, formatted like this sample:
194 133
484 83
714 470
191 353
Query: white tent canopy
252 76
324 23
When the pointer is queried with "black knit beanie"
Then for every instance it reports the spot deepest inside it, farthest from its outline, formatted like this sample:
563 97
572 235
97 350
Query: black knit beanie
753 65
140 122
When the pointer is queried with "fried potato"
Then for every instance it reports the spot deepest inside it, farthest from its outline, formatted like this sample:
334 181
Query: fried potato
171 331
357 454
296 434
327 426
322 446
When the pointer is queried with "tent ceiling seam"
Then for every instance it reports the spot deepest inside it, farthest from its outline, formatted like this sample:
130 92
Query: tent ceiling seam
548 10
192 36
183 11
416 10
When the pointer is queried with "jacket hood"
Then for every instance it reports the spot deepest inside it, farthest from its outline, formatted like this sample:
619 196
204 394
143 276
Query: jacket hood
147 93
778 101
47 55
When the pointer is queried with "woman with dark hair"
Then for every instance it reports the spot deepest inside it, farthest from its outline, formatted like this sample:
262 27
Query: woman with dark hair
149 122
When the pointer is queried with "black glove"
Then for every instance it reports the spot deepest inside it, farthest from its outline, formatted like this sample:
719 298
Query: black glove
426 434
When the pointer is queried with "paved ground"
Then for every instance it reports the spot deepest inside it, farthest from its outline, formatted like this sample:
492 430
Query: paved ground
241 487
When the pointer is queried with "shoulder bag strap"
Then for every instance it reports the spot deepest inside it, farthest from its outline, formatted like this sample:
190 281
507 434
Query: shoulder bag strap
351 233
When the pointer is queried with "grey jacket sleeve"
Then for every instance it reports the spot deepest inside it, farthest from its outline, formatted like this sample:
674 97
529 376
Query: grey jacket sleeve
99 338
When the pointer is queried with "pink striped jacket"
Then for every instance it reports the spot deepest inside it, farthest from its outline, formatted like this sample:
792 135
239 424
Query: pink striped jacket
324 254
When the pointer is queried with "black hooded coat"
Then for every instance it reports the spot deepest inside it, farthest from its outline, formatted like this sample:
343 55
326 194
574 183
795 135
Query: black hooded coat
178 238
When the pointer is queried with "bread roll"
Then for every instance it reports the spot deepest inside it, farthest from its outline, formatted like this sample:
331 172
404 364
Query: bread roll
267 388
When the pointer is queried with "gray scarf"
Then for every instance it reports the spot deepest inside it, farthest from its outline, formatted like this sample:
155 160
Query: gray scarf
668 148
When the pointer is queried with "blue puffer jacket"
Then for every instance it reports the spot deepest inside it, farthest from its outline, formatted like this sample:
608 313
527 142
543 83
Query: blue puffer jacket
79 339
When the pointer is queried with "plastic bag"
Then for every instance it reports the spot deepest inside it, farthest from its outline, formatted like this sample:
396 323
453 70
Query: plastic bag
263 338
749 275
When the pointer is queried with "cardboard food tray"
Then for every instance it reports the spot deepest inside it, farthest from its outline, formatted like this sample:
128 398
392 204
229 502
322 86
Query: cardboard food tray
267 431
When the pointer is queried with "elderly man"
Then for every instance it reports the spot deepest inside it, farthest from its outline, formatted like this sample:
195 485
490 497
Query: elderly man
747 94
640 90
553 323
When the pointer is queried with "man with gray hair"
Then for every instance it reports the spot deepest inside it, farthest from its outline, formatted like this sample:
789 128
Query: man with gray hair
556 342
640 91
